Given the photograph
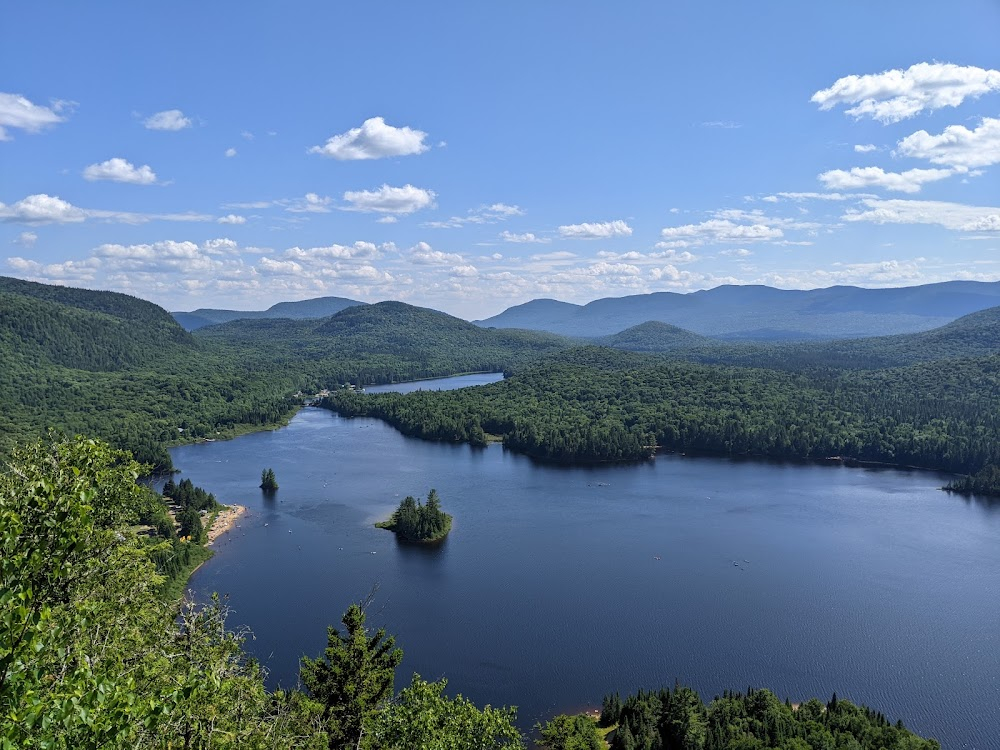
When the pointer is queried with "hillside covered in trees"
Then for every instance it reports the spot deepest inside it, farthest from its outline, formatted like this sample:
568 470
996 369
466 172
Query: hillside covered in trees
120 368
596 405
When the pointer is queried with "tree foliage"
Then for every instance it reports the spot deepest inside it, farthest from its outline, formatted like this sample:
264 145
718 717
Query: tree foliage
353 679
419 522
677 719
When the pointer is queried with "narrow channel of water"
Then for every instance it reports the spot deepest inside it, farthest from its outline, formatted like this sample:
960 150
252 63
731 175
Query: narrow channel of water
558 584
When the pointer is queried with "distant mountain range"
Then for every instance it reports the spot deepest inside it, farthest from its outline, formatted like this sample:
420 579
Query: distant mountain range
762 313
320 307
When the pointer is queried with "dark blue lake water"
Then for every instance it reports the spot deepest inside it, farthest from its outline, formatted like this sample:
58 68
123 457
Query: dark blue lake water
558 585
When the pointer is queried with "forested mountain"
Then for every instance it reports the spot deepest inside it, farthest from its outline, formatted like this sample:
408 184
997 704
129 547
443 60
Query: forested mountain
654 336
974 335
760 312
120 368
320 307
380 343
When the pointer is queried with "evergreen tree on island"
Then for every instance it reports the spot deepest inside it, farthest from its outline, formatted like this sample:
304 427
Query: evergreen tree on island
419 522
268 483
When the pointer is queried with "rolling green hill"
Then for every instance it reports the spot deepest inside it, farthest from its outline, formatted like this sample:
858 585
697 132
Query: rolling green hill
380 343
654 336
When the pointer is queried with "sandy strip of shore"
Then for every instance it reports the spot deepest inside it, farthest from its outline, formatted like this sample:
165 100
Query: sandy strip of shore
224 521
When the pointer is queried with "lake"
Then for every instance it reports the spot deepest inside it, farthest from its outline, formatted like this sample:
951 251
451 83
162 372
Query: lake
558 585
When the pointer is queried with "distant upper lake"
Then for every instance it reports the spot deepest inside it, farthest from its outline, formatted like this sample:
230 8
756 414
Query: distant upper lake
559 584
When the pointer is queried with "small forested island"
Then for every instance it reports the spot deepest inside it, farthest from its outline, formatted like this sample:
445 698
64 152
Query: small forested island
414 521
268 482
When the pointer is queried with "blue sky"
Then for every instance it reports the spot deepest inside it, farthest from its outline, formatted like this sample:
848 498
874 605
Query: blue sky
472 156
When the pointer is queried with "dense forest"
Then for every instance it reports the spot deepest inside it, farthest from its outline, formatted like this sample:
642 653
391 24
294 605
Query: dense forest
677 719
120 368
91 656
594 404
416 521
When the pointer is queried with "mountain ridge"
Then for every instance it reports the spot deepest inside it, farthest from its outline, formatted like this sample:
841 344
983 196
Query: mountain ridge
762 312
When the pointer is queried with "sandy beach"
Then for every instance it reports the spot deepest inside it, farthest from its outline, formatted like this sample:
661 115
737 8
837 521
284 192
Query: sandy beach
224 522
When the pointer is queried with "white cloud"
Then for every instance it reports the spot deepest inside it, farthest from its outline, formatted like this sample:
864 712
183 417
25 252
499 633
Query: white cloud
956 216
957 146
356 251
424 255
26 239
247 135
740 252
673 255
816 196
527 237
373 140
50 209
230 153
386 220
895 95
465 271
120 170
865 148
491 214
232 219
722 124
170 119
557 255
721 230
390 200
909 181
41 209
310 204
605 230
19 112
279 266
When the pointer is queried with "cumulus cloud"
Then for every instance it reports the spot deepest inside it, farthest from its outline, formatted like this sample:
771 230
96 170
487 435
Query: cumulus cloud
424 255
230 153
359 250
169 119
466 271
865 148
386 220
232 219
120 170
909 181
957 146
739 252
526 237
604 230
896 95
42 209
390 200
955 216
50 209
373 140
17 111
721 230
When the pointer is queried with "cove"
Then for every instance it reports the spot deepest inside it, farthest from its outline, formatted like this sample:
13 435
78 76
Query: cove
806 579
